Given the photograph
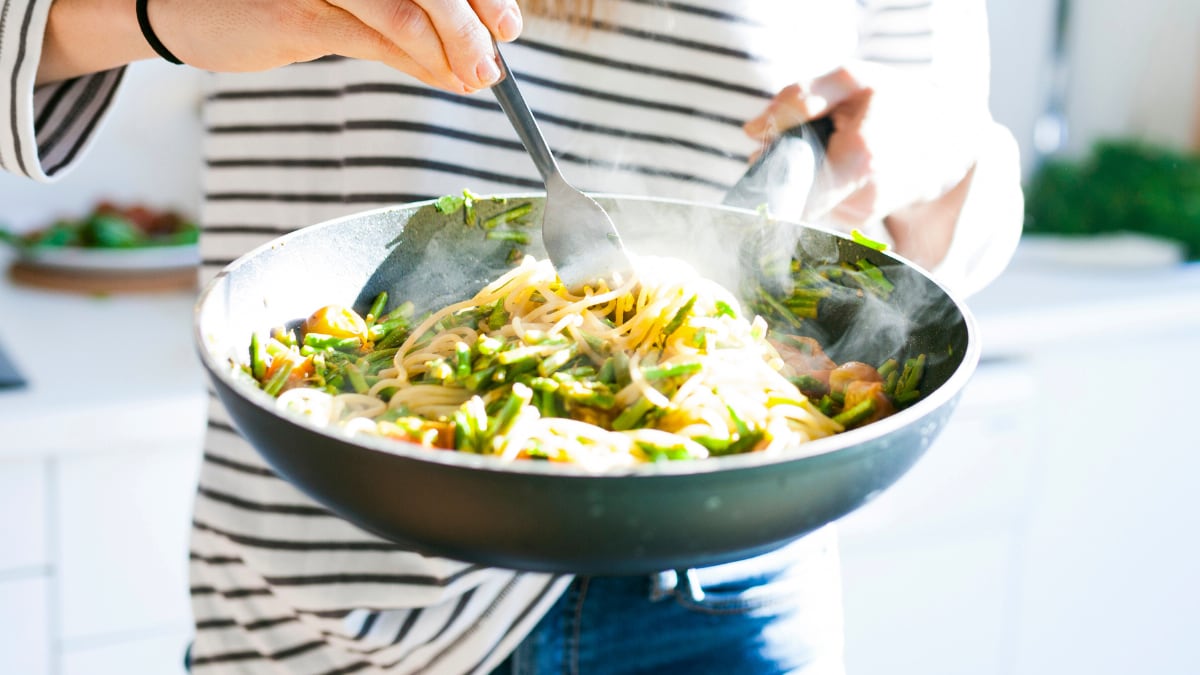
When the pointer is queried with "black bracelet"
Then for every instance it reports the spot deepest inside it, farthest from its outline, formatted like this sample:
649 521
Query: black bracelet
148 32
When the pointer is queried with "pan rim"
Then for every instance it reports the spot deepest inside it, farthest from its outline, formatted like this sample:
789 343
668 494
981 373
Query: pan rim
821 449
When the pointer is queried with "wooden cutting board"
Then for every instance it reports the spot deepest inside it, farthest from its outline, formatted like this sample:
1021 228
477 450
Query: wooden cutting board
102 281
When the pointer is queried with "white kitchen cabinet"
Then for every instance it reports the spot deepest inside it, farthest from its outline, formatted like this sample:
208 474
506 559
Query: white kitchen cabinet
1108 561
160 654
123 536
928 567
22 515
939 608
25 630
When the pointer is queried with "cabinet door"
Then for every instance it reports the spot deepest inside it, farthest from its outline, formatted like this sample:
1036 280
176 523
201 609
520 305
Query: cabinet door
123 539
24 626
22 515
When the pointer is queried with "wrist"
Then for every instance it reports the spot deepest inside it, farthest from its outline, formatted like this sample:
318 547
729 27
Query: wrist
90 36
923 232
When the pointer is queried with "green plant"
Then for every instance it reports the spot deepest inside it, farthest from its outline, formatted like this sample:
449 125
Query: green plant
1123 186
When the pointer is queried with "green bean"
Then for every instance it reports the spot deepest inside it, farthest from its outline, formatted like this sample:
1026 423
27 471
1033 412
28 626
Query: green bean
857 414
462 355
393 338
677 320
519 211
744 442
557 360
464 438
357 381
498 317
826 405
518 398
889 382
887 367
380 357
543 384
679 369
547 403
631 416
475 380
258 357
779 308
323 341
274 385
738 423
438 369
488 345
608 371
508 235
376 310
402 311
913 370
657 453
809 384
520 354
597 344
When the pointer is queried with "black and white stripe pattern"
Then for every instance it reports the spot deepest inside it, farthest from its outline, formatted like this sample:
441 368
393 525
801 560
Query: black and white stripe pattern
43 135
649 99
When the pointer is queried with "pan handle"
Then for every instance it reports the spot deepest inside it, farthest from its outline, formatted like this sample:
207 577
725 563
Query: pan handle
784 173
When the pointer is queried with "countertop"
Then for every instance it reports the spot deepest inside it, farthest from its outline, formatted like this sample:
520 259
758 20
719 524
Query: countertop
100 370
119 370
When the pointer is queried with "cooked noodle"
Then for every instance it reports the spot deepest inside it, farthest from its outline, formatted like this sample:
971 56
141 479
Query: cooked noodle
665 343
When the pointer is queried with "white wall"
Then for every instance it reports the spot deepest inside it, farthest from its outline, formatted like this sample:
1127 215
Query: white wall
1133 69
148 150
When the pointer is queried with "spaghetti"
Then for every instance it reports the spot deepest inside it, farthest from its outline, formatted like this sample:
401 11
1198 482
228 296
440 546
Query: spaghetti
663 366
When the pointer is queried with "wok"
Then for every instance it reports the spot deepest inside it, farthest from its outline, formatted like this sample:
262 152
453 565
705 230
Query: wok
549 517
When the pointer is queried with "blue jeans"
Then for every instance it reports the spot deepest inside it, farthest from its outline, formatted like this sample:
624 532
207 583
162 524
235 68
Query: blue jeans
777 613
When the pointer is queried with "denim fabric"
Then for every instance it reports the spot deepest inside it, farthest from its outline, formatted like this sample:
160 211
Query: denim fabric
777 613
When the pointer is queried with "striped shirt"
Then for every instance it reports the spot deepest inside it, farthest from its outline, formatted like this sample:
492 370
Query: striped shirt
648 99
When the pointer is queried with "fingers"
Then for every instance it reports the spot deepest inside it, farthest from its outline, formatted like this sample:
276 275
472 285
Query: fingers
502 18
799 103
449 41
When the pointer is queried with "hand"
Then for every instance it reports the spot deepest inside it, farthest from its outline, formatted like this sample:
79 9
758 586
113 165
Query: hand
444 43
900 148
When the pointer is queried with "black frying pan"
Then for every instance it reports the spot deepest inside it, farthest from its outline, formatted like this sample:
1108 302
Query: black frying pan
538 516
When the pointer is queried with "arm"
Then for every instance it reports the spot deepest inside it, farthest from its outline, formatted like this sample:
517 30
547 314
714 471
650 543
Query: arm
64 58
446 44
915 148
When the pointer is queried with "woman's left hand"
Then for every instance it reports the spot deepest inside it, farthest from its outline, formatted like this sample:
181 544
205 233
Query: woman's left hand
902 150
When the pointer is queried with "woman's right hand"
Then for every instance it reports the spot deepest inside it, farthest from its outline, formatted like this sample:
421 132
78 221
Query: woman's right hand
444 43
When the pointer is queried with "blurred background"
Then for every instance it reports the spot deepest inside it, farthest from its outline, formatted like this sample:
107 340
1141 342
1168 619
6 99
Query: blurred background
1051 529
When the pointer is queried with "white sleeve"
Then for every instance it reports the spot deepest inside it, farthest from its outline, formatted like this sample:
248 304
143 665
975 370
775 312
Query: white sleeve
43 130
947 41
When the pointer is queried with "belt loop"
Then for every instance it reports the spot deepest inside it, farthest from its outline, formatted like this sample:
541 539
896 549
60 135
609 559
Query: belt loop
662 585
686 586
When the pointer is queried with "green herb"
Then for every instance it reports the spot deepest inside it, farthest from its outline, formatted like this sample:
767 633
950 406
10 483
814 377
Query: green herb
863 239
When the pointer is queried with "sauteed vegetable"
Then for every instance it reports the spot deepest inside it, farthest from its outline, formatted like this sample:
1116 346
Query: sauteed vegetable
666 366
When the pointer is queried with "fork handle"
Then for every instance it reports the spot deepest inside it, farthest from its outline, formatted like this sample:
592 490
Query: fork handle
513 104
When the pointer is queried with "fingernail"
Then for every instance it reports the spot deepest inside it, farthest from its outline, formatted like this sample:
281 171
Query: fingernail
510 25
488 72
